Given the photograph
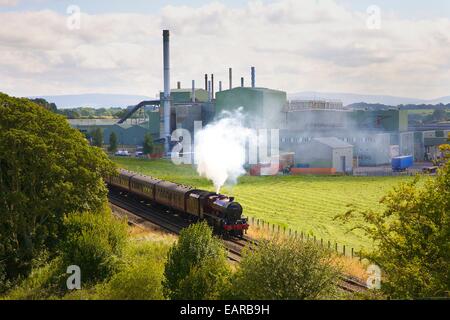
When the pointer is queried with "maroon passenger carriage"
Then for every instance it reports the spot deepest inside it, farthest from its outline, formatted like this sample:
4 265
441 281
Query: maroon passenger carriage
220 211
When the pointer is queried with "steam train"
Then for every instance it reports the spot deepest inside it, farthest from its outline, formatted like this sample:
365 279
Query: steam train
220 211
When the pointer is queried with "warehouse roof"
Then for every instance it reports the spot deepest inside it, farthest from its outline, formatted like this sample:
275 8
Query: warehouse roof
333 142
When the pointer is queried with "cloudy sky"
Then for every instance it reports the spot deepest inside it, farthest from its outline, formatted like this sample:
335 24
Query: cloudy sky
399 48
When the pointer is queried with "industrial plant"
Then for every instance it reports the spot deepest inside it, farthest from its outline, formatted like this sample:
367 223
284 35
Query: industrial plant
316 136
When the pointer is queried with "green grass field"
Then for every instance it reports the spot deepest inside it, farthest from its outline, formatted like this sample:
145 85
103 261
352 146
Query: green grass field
303 203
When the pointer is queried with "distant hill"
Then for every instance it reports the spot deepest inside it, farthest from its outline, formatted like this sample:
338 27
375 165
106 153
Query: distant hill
351 98
93 100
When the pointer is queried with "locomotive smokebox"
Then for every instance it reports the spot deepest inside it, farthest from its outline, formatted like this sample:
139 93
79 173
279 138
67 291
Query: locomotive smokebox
230 209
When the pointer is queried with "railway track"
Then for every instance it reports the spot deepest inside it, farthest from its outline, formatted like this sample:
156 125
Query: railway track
346 283
169 222
174 224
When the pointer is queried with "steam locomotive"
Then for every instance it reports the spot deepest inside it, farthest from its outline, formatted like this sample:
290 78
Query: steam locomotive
220 211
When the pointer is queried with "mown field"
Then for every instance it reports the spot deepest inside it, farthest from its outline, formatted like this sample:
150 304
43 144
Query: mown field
303 203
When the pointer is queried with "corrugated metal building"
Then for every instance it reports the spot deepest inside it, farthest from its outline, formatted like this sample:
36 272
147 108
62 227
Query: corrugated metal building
325 152
263 107
384 120
185 95
127 133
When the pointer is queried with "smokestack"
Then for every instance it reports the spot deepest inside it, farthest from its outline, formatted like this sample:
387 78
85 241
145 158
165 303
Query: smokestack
206 82
220 86
166 97
230 75
212 86
178 85
209 91
193 91
253 78
242 82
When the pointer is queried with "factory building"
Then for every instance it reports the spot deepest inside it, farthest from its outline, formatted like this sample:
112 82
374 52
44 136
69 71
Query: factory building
319 133
326 152
126 133
261 106
392 120
187 106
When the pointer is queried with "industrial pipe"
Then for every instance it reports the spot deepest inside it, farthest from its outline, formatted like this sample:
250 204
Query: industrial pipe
166 97
253 78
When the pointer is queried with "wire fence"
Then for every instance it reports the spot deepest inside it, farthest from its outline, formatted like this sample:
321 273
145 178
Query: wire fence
276 229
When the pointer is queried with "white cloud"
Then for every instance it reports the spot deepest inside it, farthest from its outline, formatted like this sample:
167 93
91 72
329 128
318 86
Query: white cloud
295 45
8 3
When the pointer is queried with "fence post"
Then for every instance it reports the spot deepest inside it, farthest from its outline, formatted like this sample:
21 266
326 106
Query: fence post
289 232
284 230
257 223
329 244
295 234
343 250
336 247
278 228
302 235
321 242
315 239
352 253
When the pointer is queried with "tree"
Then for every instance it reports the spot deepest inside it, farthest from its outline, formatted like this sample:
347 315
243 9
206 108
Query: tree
148 144
196 266
439 115
412 237
44 103
97 137
47 170
112 142
285 270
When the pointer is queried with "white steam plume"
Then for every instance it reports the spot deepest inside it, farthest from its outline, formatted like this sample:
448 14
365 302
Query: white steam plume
220 149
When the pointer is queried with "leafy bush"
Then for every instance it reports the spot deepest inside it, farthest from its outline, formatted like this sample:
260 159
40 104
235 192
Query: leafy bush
141 278
205 281
196 265
94 242
284 270
44 282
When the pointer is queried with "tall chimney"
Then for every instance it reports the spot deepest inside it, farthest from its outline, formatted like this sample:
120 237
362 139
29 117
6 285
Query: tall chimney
178 85
193 91
253 78
166 97
206 81
209 91
212 86
242 82
230 76
220 86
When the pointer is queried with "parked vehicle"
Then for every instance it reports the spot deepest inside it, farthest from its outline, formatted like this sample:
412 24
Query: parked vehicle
401 163
122 153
